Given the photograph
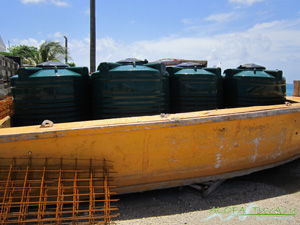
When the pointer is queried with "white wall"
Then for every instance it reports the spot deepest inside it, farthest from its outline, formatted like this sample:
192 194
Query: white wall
2 45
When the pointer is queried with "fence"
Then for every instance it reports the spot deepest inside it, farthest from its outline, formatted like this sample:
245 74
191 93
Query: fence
8 68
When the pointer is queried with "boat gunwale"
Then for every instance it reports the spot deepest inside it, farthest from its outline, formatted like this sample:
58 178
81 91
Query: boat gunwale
144 122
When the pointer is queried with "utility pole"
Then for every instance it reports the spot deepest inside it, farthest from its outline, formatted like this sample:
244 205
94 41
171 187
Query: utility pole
92 36
66 49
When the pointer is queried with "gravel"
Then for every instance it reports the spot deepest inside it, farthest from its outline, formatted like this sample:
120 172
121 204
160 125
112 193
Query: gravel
271 191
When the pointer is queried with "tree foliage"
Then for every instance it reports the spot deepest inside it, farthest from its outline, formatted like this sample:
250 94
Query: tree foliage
6 53
27 53
71 64
48 51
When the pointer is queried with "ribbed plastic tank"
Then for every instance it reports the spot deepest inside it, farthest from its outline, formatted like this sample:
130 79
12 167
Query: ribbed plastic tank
253 85
129 88
194 88
51 91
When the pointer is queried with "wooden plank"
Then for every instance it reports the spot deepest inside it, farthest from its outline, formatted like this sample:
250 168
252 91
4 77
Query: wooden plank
5 122
213 187
207 188
296 92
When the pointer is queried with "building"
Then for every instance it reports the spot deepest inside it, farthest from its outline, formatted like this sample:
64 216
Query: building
2 45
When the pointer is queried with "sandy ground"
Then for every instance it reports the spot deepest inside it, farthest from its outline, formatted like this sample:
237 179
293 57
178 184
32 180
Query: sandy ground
274 191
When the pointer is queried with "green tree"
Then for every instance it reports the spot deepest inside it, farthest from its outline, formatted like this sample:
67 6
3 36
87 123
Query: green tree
71 64
5 53
50 51
27 53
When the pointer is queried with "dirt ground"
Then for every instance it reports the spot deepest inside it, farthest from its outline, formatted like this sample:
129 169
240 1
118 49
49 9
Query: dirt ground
268 197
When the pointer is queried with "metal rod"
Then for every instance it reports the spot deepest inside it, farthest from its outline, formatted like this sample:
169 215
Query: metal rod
42 206
97 209
54 171
35 203
5 207
23 205
63 219
91 206
66 49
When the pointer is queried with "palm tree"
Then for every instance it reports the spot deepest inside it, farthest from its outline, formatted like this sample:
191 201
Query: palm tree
27 53
50 51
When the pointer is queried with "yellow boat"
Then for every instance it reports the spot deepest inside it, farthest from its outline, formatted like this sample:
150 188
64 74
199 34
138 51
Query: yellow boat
154 152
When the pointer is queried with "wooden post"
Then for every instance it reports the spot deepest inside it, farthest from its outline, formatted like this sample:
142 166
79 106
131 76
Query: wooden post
296 92
92 36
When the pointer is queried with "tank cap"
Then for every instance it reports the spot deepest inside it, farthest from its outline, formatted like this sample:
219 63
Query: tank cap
251 66
52 64
132 60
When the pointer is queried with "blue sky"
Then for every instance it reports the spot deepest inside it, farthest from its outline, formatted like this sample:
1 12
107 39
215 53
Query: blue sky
230 32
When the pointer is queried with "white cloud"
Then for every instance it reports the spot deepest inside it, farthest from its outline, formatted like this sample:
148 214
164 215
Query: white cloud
56 35
54 2
31 1
192 24
60 3
29 42
222 17
187 21
86 12
275 45
245 2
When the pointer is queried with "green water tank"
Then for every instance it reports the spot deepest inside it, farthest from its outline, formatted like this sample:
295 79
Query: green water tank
194 88
51 91
253 85
129 88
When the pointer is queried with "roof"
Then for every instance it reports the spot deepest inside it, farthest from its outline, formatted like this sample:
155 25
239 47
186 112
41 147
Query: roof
2 45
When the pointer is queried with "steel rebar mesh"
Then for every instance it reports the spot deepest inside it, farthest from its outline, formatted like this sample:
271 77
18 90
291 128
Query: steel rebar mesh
6 107
61 191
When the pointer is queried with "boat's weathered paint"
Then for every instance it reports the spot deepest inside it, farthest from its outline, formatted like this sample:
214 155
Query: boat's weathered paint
168 150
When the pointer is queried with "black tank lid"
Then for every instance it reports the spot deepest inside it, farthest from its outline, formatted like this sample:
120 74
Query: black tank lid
52 64
251 66
132 60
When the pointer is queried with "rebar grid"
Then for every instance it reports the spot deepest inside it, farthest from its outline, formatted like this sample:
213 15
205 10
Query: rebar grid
60 191
6 107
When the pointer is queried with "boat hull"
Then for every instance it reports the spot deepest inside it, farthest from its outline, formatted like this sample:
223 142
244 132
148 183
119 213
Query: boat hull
156 152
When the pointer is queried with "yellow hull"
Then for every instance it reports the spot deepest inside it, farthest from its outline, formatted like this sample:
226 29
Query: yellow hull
162 151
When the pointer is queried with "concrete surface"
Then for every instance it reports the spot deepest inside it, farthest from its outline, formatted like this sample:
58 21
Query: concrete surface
274 191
